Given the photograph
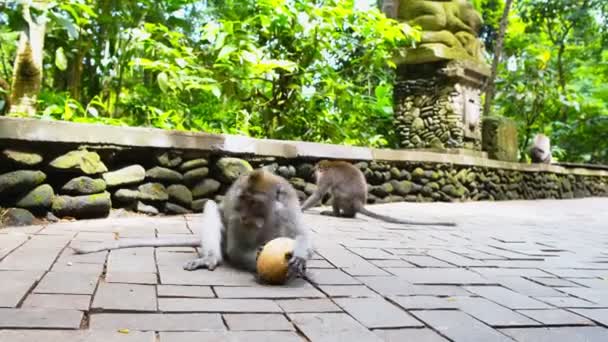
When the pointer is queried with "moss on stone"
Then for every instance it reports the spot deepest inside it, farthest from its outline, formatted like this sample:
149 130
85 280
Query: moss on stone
87 162
22 157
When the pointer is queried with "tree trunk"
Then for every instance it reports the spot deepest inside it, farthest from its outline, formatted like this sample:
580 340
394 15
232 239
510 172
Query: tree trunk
27 74
5 97
497 54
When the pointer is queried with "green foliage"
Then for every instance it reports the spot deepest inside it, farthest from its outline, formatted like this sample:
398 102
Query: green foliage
555 74
286 69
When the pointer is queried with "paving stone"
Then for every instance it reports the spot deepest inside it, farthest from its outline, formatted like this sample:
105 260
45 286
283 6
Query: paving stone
68 283
373 253
301 290
556 317
576 273
394 286
339 256
506 297
459 327
404 335
555 282
308 305
77 267
388 285
328 327
567 302
425 302
454 258
392 263
454 276
57 301
491 272
253 322
598 315
35 318
131 277
330 277
318 264
132 260
231 336
30 259
491 313
570 334
184 291
217 305
365 269
125 297
9 242
221 276
157 322
425 261
348 291
377 313
593 283
75 336
11 292
527 287
599 296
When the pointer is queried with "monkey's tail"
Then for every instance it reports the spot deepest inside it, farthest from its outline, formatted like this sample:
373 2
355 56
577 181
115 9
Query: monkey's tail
127 243
385 218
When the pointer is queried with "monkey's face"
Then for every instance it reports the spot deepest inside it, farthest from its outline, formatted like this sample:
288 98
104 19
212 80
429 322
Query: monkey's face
253 210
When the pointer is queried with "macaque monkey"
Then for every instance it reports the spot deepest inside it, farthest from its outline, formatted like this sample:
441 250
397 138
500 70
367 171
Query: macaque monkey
5 97
540 151
257 208
348 189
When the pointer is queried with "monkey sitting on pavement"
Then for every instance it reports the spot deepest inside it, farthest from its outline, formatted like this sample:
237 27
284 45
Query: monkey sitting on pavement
258 207
348 189
540 151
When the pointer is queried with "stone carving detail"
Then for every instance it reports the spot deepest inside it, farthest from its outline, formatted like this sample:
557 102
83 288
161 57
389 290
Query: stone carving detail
450 28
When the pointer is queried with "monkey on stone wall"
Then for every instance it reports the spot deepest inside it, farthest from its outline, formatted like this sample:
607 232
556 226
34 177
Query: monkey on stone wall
348 189
540 150
258 207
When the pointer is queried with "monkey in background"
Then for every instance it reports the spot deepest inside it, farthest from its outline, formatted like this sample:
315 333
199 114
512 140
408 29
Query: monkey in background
258 207
540 150
5 97
348 188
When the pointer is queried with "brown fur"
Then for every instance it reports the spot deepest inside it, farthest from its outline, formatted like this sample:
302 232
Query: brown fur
257 208
348 188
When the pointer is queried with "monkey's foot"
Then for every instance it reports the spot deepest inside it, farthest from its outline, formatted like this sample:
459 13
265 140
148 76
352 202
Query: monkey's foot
328 213
297 267
208 262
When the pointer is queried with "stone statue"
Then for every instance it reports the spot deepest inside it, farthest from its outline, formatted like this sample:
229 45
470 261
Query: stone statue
450 28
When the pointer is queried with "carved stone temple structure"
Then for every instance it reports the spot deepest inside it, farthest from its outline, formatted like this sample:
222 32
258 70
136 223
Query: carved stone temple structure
438 87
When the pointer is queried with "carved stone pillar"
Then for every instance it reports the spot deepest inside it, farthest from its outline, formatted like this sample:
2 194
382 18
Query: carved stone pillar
437 95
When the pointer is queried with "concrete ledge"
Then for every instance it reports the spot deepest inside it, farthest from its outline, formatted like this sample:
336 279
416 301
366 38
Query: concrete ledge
67 132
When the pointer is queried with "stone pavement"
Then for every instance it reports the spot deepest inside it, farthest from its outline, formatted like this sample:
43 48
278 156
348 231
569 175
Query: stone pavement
523 271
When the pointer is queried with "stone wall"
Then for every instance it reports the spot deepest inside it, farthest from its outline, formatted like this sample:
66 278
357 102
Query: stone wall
58 178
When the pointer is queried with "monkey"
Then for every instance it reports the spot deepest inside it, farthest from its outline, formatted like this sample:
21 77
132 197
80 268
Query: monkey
540 151
348 188
258 207
5 97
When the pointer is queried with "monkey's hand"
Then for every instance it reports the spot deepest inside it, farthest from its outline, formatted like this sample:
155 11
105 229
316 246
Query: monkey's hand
297 267
209 262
